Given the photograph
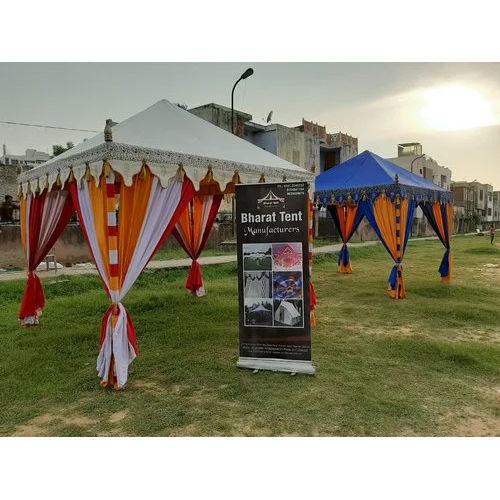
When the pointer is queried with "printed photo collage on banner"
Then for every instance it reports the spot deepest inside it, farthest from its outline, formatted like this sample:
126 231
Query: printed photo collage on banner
273 285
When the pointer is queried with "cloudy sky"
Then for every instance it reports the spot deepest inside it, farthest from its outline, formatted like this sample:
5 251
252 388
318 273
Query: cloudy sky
452 109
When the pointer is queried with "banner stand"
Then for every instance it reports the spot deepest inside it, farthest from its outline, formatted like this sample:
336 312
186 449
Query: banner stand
273 277
277 365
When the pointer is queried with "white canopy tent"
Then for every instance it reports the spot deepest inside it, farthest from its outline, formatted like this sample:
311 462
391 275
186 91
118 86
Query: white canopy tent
162 171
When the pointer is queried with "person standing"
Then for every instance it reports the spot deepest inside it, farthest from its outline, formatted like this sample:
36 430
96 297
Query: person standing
492 233
7 209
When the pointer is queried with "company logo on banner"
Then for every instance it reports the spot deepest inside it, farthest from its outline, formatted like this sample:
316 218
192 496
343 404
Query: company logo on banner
270 201
273 277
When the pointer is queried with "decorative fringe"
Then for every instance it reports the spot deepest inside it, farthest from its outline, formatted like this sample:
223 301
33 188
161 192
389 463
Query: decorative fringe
209 186
106 166
143 173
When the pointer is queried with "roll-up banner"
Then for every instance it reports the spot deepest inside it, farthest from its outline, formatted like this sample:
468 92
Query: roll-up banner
273 277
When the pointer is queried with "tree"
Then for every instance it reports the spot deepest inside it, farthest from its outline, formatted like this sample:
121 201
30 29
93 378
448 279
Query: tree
57 149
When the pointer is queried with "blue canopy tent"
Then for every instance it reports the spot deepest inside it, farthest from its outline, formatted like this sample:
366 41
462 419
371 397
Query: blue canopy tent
387 195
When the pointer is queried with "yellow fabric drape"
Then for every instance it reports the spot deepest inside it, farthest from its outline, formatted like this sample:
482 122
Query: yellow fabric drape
98 199
391 222
134 201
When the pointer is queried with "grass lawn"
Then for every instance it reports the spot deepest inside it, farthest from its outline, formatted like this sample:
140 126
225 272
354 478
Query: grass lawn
429 365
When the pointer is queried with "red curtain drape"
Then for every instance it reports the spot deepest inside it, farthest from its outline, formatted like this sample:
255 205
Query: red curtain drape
43 218
193 228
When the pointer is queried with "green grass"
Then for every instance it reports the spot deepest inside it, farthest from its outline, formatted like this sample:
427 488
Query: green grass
179 253
429 365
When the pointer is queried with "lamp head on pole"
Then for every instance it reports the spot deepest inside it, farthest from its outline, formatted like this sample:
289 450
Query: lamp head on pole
247 73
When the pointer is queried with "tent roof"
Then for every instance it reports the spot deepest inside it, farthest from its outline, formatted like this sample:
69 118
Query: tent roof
165 135
290 308
368 173
260 308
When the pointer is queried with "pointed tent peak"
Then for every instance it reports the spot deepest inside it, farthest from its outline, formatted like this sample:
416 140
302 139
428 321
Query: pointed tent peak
370 170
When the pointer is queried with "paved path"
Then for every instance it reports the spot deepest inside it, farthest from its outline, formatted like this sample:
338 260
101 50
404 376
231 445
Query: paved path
178 263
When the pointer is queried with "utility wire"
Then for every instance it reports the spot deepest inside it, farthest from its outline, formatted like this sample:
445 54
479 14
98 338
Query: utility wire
48 126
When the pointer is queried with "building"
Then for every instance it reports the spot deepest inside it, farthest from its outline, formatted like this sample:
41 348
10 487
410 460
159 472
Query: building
412 158
28 160
12 165
496 206
464 198
484 200
475 200
307 145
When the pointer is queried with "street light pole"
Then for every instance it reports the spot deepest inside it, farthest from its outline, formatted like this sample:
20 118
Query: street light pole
245 75
416 158
248 72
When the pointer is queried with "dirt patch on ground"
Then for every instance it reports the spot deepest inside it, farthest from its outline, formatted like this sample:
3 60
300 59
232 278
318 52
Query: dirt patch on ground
473 424
478 427
490 272
118 416
44 424
34 427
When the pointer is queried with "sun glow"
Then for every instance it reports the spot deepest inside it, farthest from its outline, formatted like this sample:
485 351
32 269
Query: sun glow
455 108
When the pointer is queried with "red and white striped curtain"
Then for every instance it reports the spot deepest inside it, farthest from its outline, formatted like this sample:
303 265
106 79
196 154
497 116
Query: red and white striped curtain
43 218
122 241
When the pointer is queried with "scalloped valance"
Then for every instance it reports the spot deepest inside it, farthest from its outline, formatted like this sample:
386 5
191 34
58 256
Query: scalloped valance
128 160
355 195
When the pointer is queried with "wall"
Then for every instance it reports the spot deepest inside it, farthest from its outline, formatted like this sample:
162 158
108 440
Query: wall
290 145
265 139
71 247
221 117
8 181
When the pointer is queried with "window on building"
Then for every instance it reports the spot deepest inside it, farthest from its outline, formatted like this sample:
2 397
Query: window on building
481 195
489 211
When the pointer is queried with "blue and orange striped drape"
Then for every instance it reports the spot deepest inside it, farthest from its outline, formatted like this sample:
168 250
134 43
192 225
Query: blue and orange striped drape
440 217
392 221
346 219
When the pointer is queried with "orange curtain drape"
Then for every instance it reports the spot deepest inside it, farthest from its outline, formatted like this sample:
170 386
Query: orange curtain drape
392 218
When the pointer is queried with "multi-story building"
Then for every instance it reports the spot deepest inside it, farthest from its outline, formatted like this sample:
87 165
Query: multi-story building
464 198
307 145
474 199
412 158
484 201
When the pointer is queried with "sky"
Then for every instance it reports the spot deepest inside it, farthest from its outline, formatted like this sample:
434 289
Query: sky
453 109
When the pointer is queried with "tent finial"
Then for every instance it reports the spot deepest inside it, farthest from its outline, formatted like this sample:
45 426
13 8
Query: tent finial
108 134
